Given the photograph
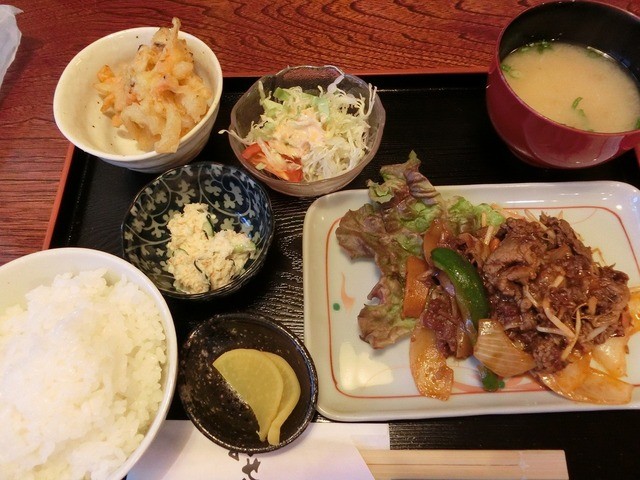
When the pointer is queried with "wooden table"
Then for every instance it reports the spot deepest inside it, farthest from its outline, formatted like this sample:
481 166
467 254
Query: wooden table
250 37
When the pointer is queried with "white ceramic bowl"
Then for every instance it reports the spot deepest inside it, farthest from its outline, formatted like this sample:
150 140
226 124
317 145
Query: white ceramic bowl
76 103
26 273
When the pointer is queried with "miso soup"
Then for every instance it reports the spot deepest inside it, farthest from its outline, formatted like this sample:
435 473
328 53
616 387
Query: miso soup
575 85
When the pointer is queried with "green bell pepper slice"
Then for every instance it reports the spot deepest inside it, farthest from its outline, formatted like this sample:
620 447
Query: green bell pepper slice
471 298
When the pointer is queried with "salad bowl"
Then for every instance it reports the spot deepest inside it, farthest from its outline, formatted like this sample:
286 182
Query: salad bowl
249 110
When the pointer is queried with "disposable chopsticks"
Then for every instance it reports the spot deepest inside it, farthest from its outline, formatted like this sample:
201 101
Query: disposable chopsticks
466 464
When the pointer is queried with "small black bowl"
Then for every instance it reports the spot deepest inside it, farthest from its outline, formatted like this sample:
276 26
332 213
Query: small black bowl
210 403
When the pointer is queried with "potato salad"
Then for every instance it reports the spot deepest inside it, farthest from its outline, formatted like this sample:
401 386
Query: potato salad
203 259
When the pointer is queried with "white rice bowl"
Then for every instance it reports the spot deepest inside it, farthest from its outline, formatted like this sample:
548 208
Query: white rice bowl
88 359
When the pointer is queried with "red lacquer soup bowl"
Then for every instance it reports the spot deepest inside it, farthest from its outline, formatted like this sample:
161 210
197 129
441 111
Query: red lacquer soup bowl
534 138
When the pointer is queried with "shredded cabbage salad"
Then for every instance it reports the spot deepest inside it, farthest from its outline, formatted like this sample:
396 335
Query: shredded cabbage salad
306 137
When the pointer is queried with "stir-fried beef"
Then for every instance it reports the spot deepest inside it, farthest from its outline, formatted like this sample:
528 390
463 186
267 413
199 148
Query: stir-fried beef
541 272
440 315
542 282
443 317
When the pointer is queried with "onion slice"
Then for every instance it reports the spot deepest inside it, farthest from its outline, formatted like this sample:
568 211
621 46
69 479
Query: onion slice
431 374
570 377
604 389
580 382
612 355
498 353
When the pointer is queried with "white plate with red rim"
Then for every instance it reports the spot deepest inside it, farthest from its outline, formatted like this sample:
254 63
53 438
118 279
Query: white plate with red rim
358 383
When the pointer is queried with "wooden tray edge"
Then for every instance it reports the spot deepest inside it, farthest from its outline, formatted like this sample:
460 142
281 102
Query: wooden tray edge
62 185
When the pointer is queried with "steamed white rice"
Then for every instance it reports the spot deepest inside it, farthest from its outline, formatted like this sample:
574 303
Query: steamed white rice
80 377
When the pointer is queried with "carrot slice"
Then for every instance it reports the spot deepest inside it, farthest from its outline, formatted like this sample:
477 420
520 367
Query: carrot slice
416 290
251 151
293 173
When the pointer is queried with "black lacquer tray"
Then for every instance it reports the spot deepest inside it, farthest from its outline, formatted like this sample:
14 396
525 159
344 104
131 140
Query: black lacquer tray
443 118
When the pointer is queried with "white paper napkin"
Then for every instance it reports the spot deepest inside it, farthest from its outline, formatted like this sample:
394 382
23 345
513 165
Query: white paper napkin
9 37
323 451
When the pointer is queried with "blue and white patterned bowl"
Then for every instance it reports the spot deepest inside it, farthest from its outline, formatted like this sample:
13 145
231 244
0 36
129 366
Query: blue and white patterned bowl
238 201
